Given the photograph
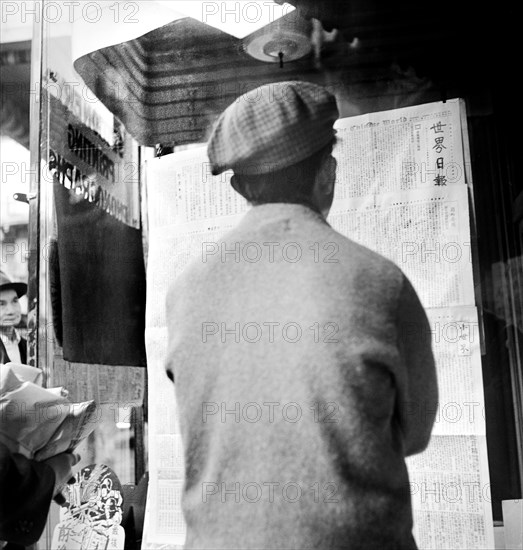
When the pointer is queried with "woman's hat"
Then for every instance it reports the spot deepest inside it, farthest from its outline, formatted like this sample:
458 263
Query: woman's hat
7 284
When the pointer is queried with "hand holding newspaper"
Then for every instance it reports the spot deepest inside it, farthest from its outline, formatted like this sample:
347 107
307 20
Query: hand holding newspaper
40 422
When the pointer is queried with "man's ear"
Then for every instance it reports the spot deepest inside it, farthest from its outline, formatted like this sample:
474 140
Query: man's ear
237 187
327 175
234 183
323 191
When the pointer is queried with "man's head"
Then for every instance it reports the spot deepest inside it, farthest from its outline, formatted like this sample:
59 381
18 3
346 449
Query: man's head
278 140
10 310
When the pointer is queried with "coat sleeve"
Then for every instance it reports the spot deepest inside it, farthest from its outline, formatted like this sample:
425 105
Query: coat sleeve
26 490
418 403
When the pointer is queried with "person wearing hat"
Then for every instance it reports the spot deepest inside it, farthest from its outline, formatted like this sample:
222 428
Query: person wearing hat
27 486
13 348
301 360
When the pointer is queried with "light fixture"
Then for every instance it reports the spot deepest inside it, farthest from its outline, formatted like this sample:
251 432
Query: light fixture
287 39
170 84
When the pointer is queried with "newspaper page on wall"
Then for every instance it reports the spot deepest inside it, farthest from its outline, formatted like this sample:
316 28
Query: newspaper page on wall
402 190
186 207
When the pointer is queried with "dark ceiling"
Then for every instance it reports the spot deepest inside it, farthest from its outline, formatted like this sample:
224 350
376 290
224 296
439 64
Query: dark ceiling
170 85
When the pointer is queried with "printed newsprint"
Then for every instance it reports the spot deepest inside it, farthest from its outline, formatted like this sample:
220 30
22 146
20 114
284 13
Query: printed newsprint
403 190
186 207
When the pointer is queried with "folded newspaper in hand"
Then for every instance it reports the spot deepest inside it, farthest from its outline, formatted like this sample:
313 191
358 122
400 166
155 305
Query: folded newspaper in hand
40 422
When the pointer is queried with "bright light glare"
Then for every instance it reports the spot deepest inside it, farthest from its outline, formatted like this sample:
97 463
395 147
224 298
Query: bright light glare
123 425
238 19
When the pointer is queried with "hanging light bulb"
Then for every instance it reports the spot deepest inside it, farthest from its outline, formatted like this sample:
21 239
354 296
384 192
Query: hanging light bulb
287 39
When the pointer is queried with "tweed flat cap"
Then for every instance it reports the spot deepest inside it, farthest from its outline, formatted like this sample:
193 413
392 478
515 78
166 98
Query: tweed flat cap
272 127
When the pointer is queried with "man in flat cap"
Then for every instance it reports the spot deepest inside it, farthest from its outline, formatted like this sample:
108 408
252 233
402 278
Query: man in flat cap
299 390
13 348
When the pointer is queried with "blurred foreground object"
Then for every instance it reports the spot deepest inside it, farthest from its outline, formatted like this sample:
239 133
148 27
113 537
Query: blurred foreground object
38 422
